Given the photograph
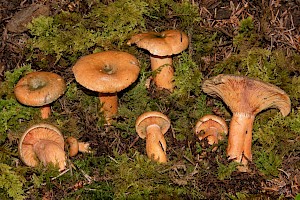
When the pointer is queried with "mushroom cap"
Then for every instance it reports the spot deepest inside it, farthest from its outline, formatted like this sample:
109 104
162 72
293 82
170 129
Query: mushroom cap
150 118
165 43
209 121
73 146
106 72
247 95
39 88
33 135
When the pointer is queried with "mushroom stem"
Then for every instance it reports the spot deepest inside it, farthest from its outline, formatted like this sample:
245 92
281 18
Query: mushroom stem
48 151
84 147
212 135
109 104
156 144
164 78
240 138
45 111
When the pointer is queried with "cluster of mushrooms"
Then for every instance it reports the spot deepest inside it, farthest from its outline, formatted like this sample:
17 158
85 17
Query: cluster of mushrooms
109 72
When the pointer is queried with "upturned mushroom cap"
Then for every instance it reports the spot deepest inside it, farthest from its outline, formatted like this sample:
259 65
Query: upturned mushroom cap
247 95
32 136
106 72
39 88
211 121
150 118
165 43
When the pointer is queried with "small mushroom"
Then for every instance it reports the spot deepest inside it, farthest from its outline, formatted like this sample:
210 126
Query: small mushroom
40 89
152 126
161 47
75 146
245 97
107 73
42 143
214 128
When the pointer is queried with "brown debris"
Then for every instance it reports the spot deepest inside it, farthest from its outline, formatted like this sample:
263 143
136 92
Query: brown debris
21 19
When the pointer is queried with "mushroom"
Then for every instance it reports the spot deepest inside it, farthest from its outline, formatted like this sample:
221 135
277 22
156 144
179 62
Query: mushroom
152 126
42 143
245 97
75 146
40 89
161 47
107 73
213 127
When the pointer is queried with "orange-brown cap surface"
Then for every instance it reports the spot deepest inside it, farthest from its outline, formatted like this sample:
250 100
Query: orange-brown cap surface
73 146
39 88
106 72
165 43
247 95
150 118
33 135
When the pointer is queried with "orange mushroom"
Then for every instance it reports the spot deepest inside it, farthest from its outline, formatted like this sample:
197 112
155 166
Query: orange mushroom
245 97
161 47
42 143
214 128
40 89
107 73
75 146
152 126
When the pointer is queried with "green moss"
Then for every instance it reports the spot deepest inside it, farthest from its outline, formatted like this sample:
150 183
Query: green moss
187 77
167 10
246 34
268 163
269 131
97 190
186 13
204 42
140 178
239 196
272 135
118 19
61 38
68 35
225 171
78 101
12 113
11 78
134 102
11 183
187 101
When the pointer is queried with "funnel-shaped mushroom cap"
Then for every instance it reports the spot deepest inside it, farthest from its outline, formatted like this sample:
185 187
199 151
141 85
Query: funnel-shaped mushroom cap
150 118
211 121
35 134
165 43
247 95
106 72
39 88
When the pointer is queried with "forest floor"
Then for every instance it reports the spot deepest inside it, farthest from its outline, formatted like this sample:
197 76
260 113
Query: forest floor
260 39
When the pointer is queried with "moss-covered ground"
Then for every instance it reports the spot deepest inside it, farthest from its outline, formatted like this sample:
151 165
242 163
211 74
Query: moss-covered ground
257 39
